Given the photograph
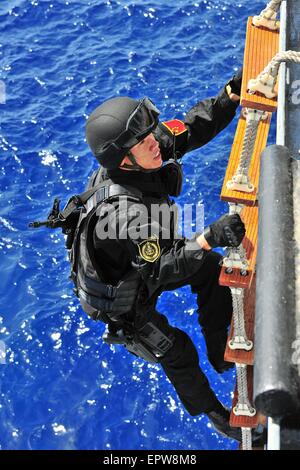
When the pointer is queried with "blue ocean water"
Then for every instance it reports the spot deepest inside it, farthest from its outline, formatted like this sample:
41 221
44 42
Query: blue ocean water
61 387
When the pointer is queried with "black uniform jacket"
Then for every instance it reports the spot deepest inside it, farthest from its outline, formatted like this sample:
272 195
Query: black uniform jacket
140 240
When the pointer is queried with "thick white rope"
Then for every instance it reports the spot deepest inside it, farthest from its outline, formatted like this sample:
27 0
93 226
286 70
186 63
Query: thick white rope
241 181
267 79
235 257
272 5
248 147
285 56
243 406
239 339
238 312
246 439
267 17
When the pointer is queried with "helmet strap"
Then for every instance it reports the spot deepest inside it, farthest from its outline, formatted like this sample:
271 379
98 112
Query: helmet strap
135 166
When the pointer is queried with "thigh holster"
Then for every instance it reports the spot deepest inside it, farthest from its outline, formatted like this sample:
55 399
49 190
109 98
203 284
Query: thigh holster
148 343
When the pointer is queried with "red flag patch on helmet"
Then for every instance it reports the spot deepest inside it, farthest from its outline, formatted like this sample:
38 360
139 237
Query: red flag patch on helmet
176 126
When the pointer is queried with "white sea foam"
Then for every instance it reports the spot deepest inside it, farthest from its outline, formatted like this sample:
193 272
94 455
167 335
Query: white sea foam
58 429
7 224
48 159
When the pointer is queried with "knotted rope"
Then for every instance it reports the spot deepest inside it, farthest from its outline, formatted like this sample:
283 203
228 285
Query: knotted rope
267 17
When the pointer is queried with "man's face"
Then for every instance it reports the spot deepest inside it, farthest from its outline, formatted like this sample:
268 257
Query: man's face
147 154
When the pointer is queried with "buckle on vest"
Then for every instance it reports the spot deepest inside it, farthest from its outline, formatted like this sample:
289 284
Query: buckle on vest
111 292
73 276
102 194
77 201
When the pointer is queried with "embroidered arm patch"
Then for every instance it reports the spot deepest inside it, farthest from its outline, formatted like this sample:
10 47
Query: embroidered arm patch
175 126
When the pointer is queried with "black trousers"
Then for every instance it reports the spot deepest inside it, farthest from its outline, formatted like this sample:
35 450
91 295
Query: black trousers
181 362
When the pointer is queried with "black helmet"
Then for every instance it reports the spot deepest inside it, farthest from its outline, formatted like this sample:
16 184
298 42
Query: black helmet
117 125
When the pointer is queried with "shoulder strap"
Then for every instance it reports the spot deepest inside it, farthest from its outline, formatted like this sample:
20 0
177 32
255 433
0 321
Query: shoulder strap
103 191
106 192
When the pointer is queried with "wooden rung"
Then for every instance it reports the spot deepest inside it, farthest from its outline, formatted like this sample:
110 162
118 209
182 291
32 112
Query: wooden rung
261 46
249 199
244 421
239 355
249 216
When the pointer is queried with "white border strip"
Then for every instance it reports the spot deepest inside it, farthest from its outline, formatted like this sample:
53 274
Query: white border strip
280 136
274 428
273 435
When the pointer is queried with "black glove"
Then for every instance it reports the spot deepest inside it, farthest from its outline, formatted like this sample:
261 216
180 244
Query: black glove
229 230
236 83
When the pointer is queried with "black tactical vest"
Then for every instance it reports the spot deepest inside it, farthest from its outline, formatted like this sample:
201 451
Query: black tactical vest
96 297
